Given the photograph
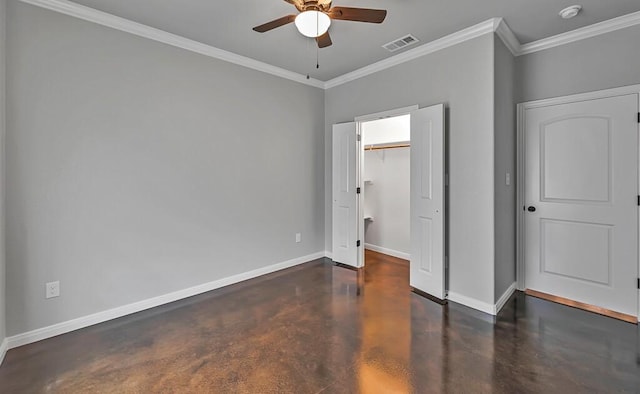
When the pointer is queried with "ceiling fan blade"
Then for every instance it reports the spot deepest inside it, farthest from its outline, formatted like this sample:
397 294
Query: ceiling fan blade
324 40
358 14
275 23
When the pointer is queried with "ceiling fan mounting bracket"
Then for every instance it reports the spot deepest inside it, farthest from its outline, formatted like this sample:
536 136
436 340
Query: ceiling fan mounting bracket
311 5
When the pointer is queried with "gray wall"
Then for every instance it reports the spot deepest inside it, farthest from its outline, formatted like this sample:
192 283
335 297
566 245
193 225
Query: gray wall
462 78
3 8
505 162
135 169
602 62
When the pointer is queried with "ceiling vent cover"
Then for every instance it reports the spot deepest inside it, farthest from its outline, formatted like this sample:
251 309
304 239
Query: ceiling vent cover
400 43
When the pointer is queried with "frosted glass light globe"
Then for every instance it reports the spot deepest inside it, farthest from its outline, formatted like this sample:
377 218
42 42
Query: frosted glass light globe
312 23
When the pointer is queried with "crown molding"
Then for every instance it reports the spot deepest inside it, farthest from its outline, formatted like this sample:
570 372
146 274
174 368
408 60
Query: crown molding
508 38
597 29
425 49
115 22
494 25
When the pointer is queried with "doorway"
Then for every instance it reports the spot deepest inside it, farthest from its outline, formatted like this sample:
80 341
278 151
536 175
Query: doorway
579 199
426 191
386 183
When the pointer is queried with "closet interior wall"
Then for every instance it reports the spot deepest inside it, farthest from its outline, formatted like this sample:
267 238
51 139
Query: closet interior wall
386 185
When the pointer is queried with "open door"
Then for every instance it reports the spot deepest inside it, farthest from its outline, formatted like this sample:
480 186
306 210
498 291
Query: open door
345 197
427 265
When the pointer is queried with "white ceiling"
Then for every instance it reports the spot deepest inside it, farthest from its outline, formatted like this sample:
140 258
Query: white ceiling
228 25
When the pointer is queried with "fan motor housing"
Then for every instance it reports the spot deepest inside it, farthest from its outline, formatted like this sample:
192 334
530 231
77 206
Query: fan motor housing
312 5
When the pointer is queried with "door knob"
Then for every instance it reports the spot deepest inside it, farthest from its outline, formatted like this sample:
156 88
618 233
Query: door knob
531 208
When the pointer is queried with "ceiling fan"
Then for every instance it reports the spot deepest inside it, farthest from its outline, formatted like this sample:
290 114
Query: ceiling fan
315 18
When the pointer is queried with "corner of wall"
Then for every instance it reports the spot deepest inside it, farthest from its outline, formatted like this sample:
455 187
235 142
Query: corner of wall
3 35
504 86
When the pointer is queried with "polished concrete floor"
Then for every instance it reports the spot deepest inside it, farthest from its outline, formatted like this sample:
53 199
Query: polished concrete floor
321 328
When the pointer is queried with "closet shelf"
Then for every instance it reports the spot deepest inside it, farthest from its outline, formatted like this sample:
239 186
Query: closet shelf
368 217
391 145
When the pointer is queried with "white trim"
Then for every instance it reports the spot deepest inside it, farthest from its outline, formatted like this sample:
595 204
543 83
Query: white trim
522 108
508 38
425 49
582 33
520 159
390 252
471 303
4 346
86 321
328 254
504 298
574 98
105 19
492 309
387 114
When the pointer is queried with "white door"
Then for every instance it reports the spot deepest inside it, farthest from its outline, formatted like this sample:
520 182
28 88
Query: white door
427 271
581 187
345 199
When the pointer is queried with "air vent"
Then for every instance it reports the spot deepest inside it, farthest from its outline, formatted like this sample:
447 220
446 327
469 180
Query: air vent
400 43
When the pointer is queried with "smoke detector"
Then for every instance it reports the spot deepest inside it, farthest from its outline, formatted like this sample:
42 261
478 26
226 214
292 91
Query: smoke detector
570 12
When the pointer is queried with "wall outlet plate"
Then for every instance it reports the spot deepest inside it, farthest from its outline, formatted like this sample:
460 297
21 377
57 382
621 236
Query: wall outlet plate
52 289
298 237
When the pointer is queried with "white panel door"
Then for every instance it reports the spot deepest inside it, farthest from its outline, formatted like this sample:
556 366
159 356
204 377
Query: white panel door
581 187
427 271
345 199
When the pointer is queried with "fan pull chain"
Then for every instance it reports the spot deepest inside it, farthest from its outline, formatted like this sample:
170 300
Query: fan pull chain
317 48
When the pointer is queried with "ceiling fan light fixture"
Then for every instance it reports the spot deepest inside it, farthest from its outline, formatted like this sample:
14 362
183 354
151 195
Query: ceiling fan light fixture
312 23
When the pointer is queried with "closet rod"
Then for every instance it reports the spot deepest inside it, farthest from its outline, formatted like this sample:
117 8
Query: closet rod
380 147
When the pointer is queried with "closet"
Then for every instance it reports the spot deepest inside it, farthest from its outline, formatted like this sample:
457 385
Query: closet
386 181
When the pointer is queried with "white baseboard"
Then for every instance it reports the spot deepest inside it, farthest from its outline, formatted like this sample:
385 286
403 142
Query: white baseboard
485 307
505 297
86 321
328 254
471 303
4 346
390 252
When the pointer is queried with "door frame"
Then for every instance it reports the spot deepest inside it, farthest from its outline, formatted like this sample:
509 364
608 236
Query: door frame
360 165
521 162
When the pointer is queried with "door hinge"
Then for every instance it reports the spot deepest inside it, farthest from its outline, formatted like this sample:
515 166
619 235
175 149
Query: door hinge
639 283
358 243
639 201
638 117
358 192
359 137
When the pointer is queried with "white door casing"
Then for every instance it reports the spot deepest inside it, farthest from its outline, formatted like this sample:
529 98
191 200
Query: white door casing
427 265
581 177
344 198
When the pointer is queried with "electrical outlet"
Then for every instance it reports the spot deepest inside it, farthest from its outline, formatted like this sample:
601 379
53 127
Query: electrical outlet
298 237
52 289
